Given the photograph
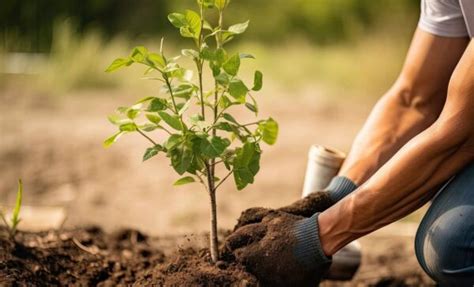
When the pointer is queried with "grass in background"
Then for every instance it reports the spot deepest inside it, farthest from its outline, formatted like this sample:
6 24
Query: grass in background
362 68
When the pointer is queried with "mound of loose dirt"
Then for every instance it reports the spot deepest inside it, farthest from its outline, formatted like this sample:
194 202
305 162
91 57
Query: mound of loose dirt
194 268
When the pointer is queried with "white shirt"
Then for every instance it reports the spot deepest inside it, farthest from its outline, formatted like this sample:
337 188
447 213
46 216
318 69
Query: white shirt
447 18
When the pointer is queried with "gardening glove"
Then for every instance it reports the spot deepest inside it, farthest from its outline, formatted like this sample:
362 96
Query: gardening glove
282 250
317 201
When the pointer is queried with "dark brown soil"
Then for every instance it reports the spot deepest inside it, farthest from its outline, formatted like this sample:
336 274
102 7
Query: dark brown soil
89 257
129 257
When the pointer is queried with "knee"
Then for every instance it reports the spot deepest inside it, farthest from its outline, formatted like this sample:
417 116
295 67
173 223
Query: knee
444 248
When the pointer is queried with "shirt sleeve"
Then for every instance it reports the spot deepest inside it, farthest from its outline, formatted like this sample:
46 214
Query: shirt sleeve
442 18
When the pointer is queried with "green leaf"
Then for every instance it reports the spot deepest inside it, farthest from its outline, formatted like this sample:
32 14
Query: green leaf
157 104
194 21
139 54
184 90
144 100
122 110
16 211
206 3
224 126
207 26
229 118
251 107
227 36
246 164
238 90
221 56
239 28
186 32
216 70
172 120
117 120
148 127
196 118
151 152
254 104
232 65
223 79
246 56
152 117
221 4
258 81
173 141
133 111
207 54
129 127
224 102
214 146
108 142
118 63
173 71
269 130
184 180
157 60
189 23
177 19
181 159
190 53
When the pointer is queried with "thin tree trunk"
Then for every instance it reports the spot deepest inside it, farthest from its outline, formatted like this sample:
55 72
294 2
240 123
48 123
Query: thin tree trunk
213 230
213 236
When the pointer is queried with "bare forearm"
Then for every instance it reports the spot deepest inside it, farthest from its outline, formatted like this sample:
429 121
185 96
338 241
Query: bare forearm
411 105
392 123
411 176
401 186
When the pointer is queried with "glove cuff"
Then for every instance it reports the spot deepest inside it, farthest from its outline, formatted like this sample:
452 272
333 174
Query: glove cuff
308 250
340 187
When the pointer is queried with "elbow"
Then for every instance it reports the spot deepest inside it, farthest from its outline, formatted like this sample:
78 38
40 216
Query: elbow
427 103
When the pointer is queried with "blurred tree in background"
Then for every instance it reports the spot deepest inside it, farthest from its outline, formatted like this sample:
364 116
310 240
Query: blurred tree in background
27 25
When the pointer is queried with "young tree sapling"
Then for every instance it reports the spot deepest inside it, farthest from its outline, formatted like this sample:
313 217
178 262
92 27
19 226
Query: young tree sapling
197 143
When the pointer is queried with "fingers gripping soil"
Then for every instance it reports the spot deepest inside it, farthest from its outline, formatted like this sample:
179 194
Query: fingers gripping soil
268 254
315 202
246 236
252 215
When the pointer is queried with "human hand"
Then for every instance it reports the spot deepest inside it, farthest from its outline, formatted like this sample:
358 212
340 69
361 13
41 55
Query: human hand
281 250
315 202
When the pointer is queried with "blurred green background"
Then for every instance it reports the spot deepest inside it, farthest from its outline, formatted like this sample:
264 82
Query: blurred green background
28 25
355 45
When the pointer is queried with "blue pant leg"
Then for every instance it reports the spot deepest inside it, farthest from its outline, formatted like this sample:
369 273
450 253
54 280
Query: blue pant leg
444 242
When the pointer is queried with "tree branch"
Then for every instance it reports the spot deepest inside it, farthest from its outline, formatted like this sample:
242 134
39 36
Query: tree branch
147 137
224 179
